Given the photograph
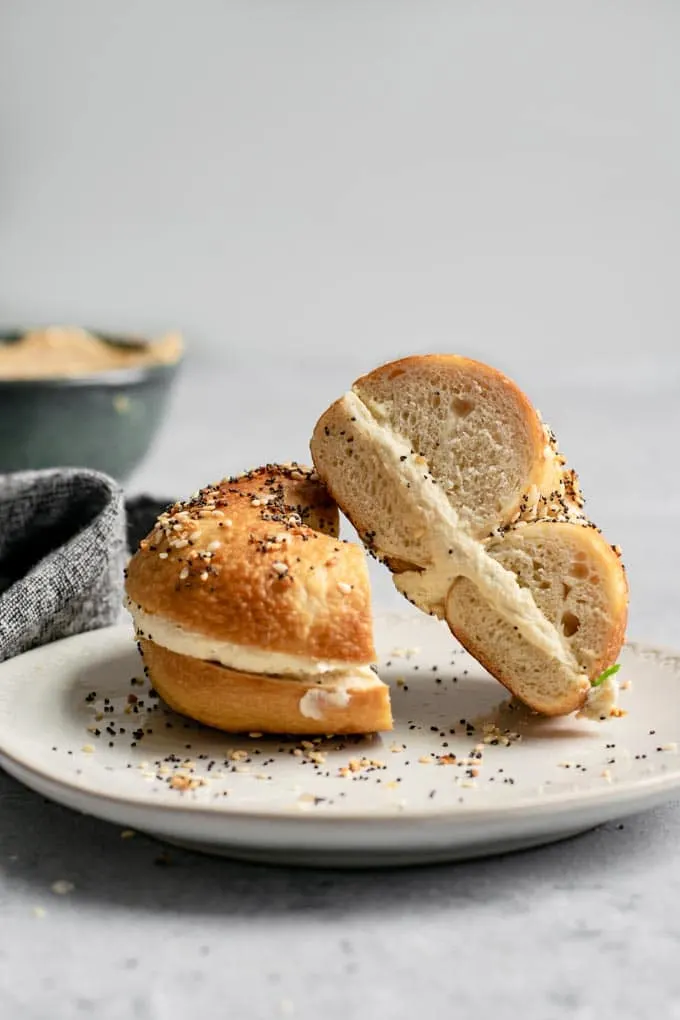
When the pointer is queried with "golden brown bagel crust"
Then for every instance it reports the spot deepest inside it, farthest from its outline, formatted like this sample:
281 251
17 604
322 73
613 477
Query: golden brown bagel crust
255 560
243 702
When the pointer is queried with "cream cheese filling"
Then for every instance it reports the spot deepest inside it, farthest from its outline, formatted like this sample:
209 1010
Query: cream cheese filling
455 552
601 700
335 674
315 702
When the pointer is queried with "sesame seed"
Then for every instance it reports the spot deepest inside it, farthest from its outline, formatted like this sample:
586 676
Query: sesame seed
344 587
180 783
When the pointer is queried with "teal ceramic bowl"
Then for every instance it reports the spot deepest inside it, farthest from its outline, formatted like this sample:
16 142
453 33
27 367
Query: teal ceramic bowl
104 420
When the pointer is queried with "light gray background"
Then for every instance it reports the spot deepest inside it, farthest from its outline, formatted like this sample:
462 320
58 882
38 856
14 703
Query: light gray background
306 189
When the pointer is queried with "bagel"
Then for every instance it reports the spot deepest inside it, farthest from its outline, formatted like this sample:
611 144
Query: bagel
251 614
451 478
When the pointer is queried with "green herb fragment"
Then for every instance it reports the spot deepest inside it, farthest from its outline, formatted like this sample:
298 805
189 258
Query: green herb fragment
605 674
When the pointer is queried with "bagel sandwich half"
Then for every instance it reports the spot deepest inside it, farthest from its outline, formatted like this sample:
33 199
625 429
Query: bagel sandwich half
251 615
451 478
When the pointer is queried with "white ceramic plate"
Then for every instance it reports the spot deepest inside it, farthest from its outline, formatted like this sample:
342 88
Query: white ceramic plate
393 799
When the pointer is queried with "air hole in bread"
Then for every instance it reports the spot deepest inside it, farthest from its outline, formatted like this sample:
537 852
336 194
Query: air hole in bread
461 407
566 588
544 585
579 569
570 624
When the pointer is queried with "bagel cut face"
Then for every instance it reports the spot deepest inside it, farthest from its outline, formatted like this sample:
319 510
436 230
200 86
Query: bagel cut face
437 460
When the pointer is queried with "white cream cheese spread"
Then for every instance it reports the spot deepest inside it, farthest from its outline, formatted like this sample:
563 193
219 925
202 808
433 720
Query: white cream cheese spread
456 553
336 680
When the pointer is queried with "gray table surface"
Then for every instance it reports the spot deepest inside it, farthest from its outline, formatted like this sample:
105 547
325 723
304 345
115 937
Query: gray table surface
586 928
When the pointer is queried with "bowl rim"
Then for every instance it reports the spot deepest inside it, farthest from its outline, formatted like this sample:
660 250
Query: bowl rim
110 377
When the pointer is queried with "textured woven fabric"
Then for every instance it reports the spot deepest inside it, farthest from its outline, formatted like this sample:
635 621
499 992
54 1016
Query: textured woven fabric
62 554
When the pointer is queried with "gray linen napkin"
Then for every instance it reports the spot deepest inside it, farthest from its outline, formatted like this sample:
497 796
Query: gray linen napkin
62 554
